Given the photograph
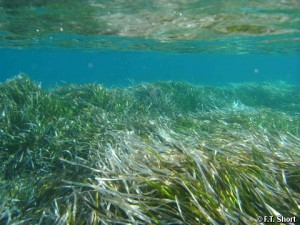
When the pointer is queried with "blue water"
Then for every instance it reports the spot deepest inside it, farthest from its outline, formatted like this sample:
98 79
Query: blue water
153 145
114 68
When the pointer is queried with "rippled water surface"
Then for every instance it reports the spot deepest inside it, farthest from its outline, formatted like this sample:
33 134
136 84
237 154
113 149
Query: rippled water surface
149 112
177 26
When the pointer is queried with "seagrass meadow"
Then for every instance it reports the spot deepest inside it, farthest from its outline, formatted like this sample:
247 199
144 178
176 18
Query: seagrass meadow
151 153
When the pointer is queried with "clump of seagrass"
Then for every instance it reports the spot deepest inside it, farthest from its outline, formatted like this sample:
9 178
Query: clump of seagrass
162 153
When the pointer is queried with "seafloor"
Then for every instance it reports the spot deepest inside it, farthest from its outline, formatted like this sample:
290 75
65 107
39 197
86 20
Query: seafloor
159 153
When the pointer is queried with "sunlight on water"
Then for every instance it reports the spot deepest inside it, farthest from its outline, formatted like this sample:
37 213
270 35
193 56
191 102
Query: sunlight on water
240 26
106 117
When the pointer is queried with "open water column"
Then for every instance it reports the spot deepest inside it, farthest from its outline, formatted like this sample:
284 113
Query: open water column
149 112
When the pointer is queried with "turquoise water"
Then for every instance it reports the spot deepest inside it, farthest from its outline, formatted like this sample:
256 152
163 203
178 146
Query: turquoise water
120 42
149 112
52 66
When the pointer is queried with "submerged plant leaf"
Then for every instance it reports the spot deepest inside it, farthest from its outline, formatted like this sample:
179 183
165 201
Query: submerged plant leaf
161 153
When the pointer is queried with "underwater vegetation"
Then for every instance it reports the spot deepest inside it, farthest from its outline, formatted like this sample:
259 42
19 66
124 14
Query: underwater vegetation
159 153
